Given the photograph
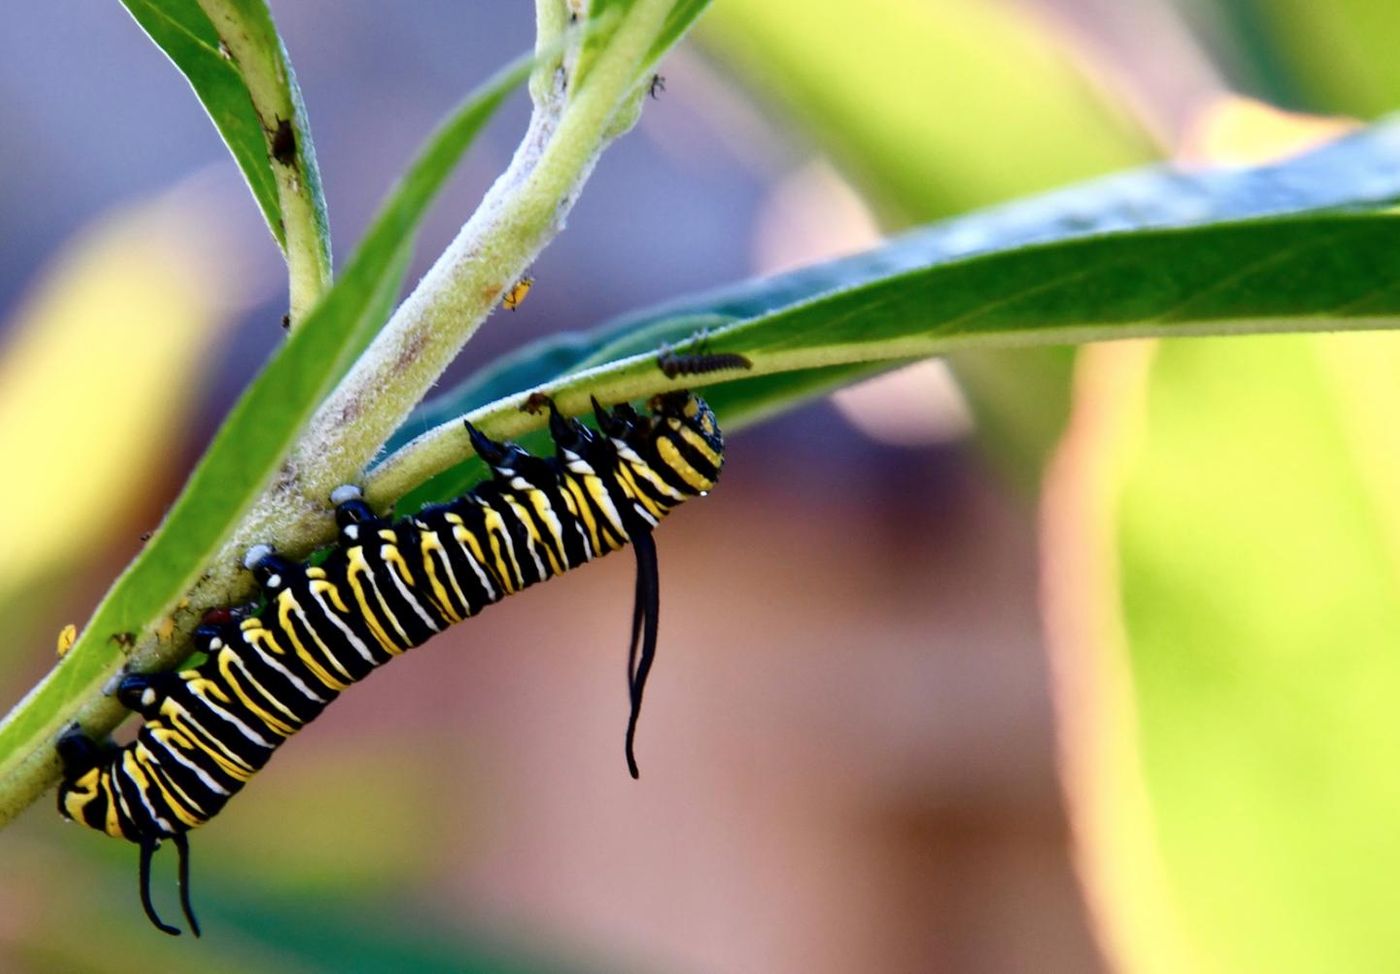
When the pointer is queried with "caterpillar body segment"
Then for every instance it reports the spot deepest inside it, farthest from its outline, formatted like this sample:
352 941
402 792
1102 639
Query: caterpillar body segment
386 586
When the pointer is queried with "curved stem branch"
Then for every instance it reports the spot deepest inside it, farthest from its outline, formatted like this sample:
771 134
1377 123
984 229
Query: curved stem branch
520 214
246 33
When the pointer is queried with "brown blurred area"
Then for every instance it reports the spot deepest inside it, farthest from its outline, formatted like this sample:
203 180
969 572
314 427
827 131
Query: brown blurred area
847 749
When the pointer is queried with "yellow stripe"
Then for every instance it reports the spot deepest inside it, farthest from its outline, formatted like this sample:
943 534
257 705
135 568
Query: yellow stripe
428 544
548 517
392 555
582 511
496 530
634 492
186 809
653 477
306 618
696 441
616 534
263 638
146 781
356 565
171 736
81 794
672 458
196 733
274 724
114 822
286 602
532 533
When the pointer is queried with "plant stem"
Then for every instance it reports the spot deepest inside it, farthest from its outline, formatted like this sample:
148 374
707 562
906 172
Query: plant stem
520 214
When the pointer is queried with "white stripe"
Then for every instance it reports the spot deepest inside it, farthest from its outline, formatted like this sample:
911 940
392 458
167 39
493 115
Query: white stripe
292 678
609 509
440 554
558 526
300 613
403 590
368 576
491 592
339 623
518 509
141 792
505 536
199 772
247 731
263 692
116 775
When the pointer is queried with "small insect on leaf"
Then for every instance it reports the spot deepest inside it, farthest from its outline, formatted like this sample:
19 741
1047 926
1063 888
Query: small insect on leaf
657 86
698 359
517 293
67 636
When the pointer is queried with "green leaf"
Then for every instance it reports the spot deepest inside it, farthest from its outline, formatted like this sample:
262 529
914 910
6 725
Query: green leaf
1341 53
251 444
1295 274
186 35
1359 170
230 52
967 104
678 21
1246 517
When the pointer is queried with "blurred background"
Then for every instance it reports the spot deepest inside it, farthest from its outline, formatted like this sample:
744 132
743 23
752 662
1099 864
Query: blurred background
849 753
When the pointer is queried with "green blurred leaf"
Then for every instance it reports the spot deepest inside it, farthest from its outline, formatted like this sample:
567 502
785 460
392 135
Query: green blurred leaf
1341 53
1254 545
934 107
252 442
1360 170
335 937
678 21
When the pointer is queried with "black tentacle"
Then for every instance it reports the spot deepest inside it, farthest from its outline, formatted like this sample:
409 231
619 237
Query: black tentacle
182 845
148 848
646 611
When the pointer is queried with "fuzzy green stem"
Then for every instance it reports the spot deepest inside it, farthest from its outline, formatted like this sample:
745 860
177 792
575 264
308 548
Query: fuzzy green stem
551 24
522 212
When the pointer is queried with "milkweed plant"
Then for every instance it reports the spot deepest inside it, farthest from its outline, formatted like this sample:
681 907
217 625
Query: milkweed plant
1301 244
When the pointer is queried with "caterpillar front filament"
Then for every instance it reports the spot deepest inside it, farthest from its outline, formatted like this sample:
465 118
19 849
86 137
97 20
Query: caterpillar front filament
386 586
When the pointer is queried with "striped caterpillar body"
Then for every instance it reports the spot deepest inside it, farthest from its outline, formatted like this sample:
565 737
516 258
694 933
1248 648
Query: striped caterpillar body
386 586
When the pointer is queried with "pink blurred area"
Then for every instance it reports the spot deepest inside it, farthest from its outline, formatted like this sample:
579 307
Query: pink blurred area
847 748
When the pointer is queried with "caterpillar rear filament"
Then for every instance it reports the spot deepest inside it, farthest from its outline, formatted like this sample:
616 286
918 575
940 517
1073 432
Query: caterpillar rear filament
386 587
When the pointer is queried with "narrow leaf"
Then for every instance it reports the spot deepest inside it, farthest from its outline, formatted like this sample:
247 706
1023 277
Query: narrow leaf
1301 273
245 454
1359 170
187 36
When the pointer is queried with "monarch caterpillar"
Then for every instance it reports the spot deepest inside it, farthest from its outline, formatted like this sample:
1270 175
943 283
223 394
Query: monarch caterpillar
385 587
701 361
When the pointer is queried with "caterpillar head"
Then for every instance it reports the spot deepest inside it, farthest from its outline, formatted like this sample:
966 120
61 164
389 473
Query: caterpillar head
687 439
